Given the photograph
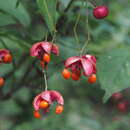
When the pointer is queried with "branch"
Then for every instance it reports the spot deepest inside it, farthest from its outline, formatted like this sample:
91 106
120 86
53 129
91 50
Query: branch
69 5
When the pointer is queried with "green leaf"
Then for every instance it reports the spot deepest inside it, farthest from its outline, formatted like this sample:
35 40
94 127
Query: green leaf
114 71
24 126
65 2
48 11
39 33
19 95
9 110
6 19
14 43
19 13
5 124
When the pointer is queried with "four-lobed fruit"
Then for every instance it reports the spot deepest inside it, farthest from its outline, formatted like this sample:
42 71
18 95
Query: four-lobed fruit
100 12
2 81
36 114
59 109
92 79
66 74
7 58
44 104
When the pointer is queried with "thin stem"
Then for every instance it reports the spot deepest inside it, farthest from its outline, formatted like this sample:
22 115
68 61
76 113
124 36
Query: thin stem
55 31
75 28
46 36
45 78
54 36
69 5
93 3
49 15
88 35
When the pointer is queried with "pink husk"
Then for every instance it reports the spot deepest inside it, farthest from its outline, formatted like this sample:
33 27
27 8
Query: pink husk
87 67
72 60
3 52
92 60
49 96
56 96
39 47
47 46
36 102
46 96
55 49
90 57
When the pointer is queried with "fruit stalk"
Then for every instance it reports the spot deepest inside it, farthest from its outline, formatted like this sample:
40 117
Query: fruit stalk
88 35
45 79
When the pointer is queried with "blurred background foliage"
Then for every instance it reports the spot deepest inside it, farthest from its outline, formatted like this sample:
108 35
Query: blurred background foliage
24 22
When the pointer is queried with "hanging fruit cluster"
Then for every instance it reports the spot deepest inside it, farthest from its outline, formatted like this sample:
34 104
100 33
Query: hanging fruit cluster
77 65
43 50
120 103
5 58
44 100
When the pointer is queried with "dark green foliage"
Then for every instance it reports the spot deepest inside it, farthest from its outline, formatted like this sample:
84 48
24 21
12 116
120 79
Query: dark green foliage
24 22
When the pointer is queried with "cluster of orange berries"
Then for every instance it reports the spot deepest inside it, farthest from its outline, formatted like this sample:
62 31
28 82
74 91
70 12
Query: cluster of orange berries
76 76
6 60
45 105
